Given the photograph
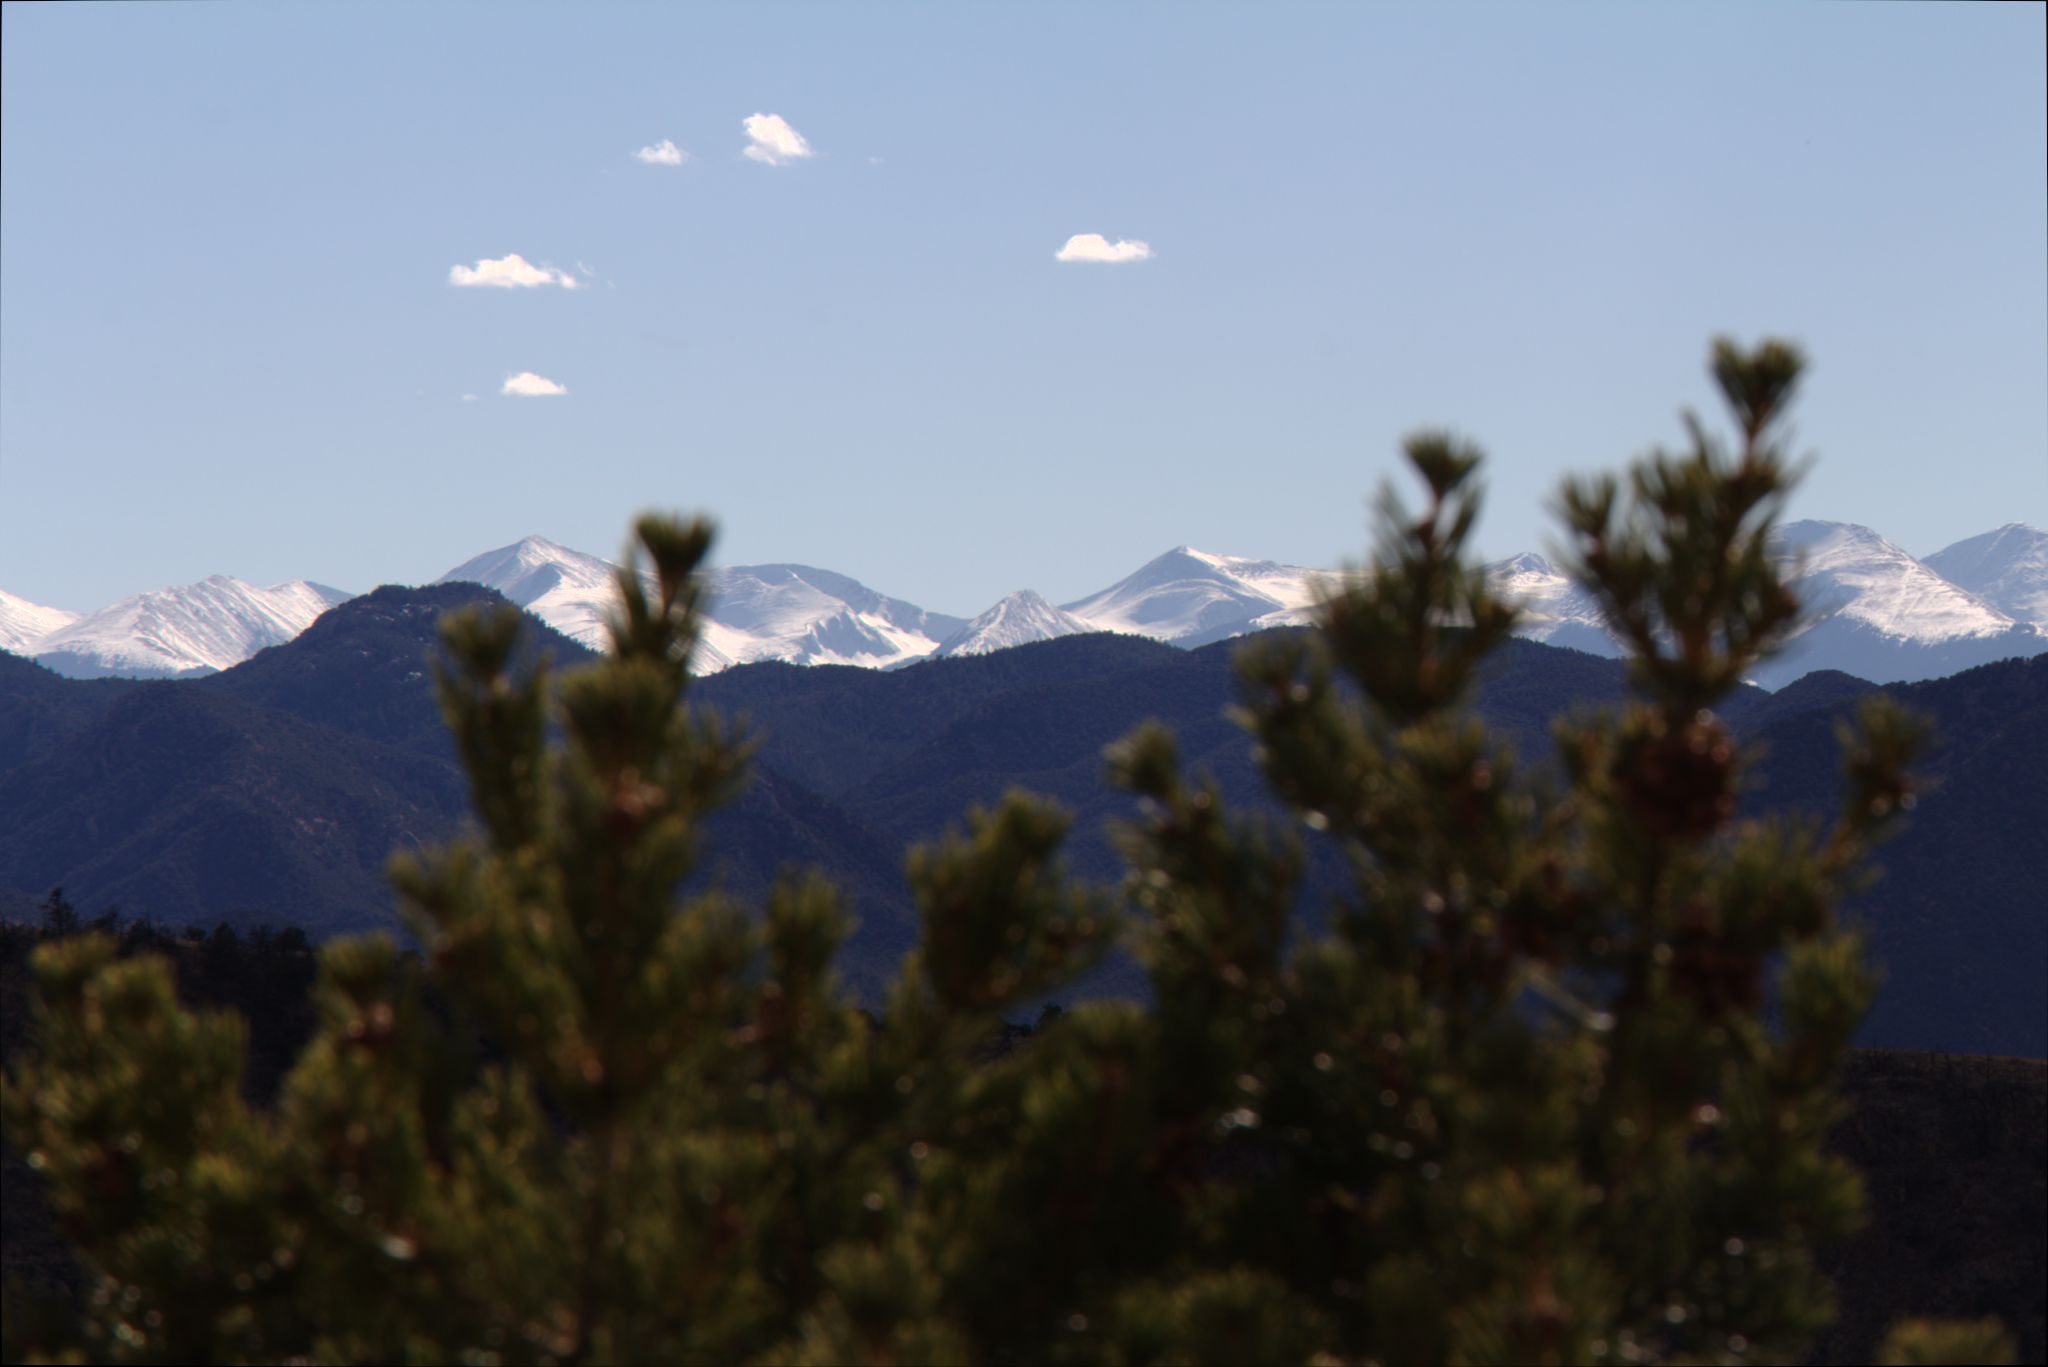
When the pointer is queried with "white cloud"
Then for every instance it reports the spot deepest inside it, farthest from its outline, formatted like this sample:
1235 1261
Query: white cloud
1095 248
469 398
510 272
527 385
772 142
663 153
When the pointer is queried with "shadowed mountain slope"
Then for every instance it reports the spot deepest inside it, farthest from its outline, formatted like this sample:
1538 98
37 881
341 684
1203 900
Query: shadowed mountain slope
40 708
188 806
1958 917
277 789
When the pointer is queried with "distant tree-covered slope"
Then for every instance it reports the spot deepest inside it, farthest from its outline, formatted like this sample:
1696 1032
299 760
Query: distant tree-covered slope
39 709
190 806
833 728
1950 1148
364 667
1957 919
277 789
1959 916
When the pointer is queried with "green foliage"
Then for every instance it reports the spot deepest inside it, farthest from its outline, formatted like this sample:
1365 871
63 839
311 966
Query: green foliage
1925 1341
1554 1088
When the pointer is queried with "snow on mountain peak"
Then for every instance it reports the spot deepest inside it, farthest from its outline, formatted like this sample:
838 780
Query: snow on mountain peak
1190 598
1017 620
807 615
23 624
570 591
1555 609
751 612
1528 562
2007 568
1872 609
199 628
1851 572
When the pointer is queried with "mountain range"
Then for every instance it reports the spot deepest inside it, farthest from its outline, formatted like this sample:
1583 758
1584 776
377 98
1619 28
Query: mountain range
193 629
1874 611
274 791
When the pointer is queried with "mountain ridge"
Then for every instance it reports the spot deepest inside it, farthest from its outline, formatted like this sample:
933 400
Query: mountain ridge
275 790
188 629
2007 567
1019 619
1874 610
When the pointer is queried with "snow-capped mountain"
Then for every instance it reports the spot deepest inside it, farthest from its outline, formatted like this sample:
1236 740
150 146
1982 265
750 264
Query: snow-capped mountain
1555 609
569 590
752 612
1191 598
1850 572
2007 568
1019 619
1878 613
191 629
1881 615
1874 611
23 623
815 617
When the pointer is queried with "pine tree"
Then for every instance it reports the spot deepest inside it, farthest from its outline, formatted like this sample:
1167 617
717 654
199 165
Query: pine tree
60 917
1551 1083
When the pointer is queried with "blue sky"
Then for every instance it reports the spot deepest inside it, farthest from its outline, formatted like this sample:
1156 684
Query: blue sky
229 341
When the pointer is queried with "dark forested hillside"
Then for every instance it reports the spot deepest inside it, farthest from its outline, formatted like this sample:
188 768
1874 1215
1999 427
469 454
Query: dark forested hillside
363 667
277 789
1959 916
39 709
190 806
834 727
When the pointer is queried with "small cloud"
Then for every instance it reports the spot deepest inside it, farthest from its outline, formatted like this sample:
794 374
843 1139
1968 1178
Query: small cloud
663 153
874 161
1099 250
772 142
587 269
469 398
508 273
527 385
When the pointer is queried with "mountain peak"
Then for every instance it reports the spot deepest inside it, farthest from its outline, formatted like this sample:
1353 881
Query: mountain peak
751 612
540 548
23 624
1018 619
1980 597
2006 567
199 628
1527 563
1810 533
1191 598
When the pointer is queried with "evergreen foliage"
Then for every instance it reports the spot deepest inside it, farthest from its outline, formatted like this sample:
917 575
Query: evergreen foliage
1553 1088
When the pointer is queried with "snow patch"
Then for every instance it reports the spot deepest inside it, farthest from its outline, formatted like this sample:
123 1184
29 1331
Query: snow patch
751 612
191 629
1017 620
2007 568
23 624
1852 573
